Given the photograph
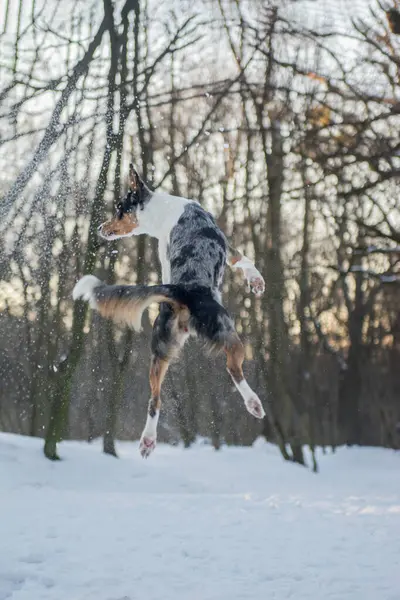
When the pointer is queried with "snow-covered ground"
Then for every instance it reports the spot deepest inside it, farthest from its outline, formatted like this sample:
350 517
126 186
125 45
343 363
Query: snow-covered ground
197 524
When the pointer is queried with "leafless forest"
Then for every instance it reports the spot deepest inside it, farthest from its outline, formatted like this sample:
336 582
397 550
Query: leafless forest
281 118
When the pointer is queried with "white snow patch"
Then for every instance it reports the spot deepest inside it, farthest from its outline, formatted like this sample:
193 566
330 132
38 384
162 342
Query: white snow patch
236 524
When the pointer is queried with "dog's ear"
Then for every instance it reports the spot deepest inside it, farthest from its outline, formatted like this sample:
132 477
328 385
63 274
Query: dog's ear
134 179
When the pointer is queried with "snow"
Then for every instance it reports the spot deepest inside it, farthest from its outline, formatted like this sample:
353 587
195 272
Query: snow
197 524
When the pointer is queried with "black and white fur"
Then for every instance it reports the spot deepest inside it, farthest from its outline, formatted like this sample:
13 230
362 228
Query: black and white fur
193 254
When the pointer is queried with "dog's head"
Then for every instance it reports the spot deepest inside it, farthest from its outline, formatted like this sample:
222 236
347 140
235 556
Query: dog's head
127 217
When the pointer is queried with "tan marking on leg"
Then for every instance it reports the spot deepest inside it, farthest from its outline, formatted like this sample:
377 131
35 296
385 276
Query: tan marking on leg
234 360
183 319
158 371
235 259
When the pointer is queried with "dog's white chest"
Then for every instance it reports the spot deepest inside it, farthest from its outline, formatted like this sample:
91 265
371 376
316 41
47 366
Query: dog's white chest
165 265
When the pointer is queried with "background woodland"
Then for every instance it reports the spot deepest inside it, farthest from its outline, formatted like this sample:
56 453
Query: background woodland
283 120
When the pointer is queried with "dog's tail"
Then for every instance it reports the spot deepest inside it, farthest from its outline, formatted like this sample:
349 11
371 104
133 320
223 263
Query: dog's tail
126 304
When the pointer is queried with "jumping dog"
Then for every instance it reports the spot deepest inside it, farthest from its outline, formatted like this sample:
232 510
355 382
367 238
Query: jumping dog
193 253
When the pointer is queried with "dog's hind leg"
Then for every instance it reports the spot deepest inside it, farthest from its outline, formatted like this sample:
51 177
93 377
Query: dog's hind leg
158 370
169 335
235 357
215 326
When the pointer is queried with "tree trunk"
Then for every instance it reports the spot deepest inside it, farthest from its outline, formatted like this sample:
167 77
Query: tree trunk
61 392
112 404
60 402
305 399
275 294
351 379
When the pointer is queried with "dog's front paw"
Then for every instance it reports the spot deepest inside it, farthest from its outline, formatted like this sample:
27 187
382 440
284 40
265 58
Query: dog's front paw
257 284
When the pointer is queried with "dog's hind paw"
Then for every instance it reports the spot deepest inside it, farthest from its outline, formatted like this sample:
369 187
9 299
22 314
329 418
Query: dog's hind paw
146 446
255 407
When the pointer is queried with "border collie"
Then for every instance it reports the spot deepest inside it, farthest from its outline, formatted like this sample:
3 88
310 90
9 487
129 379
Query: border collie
193 254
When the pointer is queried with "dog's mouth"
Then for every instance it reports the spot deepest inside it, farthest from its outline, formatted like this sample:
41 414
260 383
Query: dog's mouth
105 234
118 227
